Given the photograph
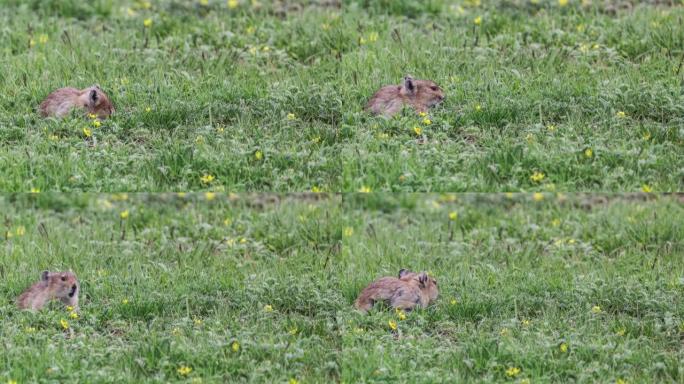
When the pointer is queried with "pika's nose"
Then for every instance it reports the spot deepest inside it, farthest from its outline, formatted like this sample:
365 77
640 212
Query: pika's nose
73 287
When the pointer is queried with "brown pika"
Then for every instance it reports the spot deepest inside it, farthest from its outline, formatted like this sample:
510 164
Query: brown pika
52 285
419 94
406 292
92 100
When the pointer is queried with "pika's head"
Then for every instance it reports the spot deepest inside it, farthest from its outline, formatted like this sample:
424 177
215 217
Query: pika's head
424 92
63 284
95 101
427 284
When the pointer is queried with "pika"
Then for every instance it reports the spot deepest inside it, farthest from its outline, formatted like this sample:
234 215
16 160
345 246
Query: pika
52 285
406 292
419 94
92 99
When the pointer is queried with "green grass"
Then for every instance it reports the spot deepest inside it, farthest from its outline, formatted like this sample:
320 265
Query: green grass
175 285
221 82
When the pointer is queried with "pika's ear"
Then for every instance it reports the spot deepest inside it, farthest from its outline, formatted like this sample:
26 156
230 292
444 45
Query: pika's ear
409 84
422 279
93 96
44 276
403 272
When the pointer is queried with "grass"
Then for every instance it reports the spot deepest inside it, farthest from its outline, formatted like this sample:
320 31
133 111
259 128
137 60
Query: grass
583 288
530 89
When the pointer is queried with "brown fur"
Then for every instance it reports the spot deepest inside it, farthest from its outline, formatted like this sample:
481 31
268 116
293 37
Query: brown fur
52 285
92 100
418 94
406 292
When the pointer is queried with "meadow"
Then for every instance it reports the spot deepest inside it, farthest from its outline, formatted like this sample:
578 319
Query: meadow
259 288
268 95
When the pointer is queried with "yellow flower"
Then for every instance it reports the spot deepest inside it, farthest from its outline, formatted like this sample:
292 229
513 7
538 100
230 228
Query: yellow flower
175 331
453 215
293 381
197 321
204 2
209 196
621 331
525 322
124 214
145 4
232 4
647 136
525 381
291 116
562 3
478 20
124 301
293 331
316 189
365 189
504 332
427 121
646 188
362 41
10 381
512 371
64 323
478 107
250 30
348 231
595 309
268 308
96 123
235 346
400 314
537 176
392 324
620 381
31 43
258 155
551 127
358 330
417 130
537 196
422 114
147 23
35 190
92 116
148 109
87 132
556 222
621 114
373 37
184 371
563 347
73 315
453 302
199 139
30 330
220 129
21 230
588 152
207 178
43 38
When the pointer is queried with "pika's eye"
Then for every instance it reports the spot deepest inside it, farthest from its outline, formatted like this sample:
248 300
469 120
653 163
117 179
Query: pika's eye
63 278
434 87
